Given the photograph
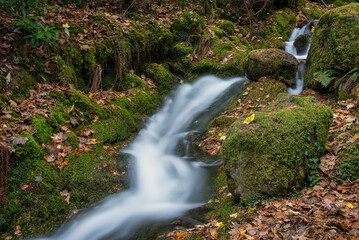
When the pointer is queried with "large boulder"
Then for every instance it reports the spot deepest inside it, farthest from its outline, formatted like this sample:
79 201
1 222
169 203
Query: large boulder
274 63
334 46
268 154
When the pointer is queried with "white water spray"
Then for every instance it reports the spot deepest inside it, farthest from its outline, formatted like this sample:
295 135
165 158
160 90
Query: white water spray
289 48
163 182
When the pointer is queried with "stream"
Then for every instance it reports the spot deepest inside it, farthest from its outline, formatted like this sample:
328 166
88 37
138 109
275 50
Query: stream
166 179
301 56
165 182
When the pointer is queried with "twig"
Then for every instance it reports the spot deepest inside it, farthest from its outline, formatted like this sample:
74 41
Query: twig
324 3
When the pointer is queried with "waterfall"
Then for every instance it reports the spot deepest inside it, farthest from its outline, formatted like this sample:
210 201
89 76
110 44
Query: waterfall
289 47
163 183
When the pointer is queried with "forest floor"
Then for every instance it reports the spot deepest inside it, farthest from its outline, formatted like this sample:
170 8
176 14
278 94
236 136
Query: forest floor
329 209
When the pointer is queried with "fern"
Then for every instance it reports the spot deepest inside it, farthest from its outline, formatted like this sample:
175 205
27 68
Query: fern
324 77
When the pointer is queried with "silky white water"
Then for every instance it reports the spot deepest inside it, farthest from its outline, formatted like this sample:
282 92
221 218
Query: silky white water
289 47
164 184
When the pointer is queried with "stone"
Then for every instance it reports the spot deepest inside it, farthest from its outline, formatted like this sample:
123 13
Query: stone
274 63
301 43
334 47
270 155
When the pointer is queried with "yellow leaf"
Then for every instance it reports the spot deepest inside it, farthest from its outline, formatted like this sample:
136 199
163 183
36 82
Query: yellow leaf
249 119
356 136
95 119
90 94
345 214
220 224
349 205
250 209
221 134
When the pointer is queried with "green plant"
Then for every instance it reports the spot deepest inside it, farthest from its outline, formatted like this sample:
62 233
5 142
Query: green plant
36 31
324 77
313 175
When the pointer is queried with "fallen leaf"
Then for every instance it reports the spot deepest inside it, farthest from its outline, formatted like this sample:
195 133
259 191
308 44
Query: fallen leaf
250 119
38 179
18 140
351 206
74 122
66 194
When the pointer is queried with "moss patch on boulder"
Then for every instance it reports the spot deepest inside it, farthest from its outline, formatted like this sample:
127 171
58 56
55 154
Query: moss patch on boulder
270 155
334 45
257 94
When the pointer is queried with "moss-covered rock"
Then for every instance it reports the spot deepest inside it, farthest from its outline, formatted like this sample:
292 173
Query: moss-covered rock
334 46
227 26
163 78
301 43
271 62
270 155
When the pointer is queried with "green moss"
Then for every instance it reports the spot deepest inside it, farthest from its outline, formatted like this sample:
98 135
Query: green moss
234 67
314 11
90 59
65 74
75 29
22 82
256 94
123 103
86 180
44 130
131 81
149 41
217 31
144 103
348 167
227 26
205 66
188 23
274 150
74 54
227 205
84 103
42 208
334 35
181 49
72 140
58 116
115 129
37 62
165 81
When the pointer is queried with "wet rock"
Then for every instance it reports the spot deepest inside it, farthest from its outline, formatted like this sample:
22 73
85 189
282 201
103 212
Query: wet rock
274 63
269 154
334 46
301 43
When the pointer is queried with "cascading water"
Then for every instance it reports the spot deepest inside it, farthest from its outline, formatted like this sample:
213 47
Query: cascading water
289 47
163 182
